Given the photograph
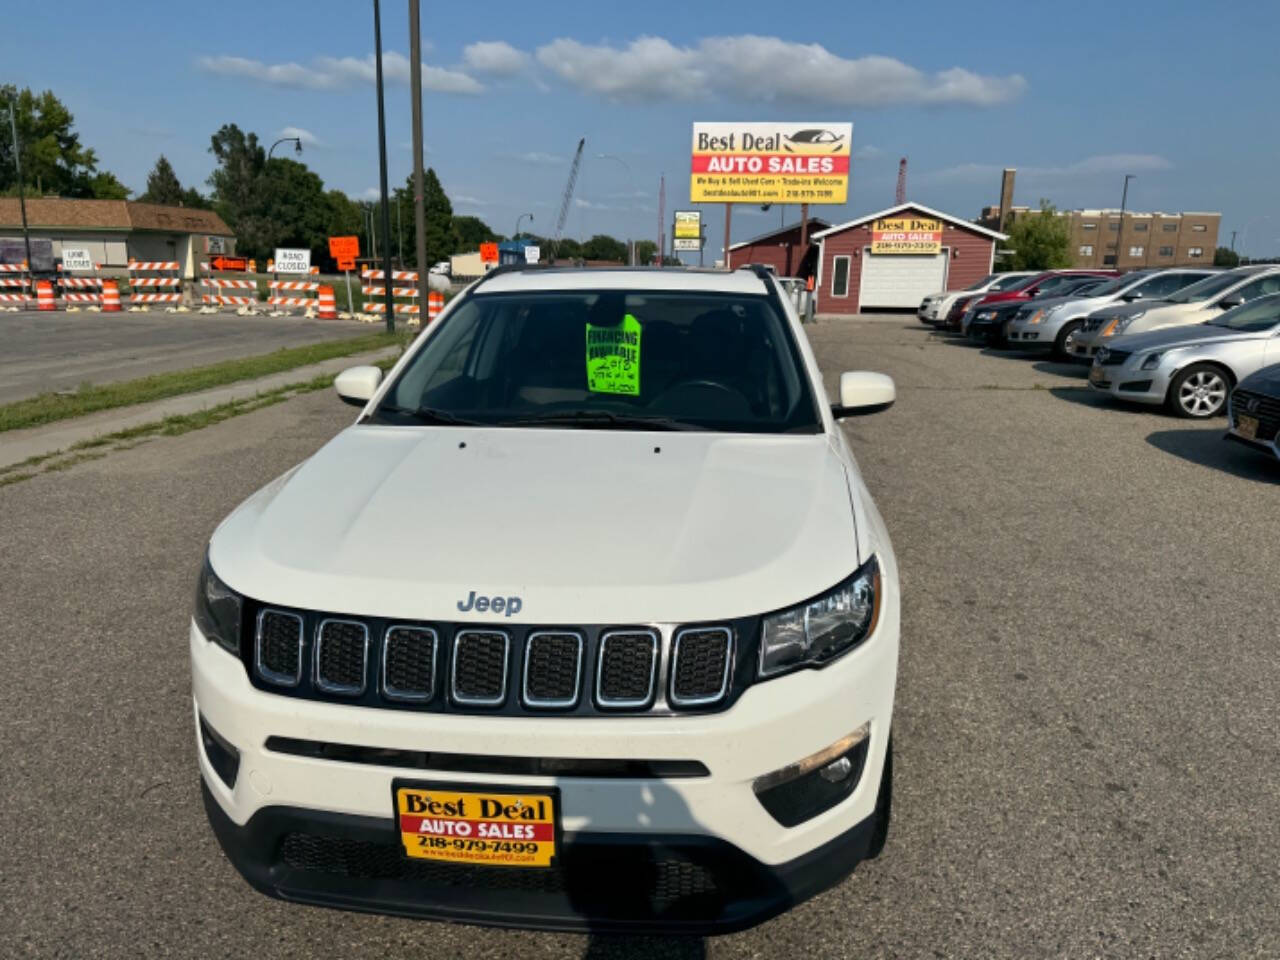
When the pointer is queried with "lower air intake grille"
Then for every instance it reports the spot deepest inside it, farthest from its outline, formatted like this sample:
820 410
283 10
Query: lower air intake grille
278 647
480 667
628 662
342 652
409 664
552 669
700 666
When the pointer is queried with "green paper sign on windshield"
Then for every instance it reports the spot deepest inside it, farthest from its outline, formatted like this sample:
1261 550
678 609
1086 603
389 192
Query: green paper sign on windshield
613 358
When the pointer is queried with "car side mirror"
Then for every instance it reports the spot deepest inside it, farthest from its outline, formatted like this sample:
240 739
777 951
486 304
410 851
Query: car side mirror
1235 300
863 392
357 385
1131 296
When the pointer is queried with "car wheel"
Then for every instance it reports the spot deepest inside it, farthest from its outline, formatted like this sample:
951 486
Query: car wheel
1198 392
884 807
1062 345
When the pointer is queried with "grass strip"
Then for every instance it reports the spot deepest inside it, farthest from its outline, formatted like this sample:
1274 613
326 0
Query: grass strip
91 398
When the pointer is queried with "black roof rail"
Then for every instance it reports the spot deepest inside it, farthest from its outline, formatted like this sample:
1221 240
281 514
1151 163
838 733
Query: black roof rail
759 269
516 267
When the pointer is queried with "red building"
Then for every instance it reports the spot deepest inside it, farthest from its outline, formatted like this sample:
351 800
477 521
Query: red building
851 278
779 249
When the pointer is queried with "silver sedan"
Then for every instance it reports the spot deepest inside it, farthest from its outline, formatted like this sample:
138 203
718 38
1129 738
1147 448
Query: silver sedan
1191 369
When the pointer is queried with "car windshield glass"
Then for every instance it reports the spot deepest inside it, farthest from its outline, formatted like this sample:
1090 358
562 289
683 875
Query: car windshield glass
982 283
1016 282
1261 314
609 359
1116 285
1206 288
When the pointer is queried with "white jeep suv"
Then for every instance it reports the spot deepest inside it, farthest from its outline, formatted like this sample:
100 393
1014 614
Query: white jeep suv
587 622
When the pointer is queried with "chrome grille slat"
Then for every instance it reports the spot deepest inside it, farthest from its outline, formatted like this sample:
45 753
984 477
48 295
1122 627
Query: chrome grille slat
481 659
701 658
552 668
341 656
409 657
277 647
627 668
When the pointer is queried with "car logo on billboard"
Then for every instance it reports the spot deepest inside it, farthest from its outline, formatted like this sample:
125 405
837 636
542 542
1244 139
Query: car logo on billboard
817 137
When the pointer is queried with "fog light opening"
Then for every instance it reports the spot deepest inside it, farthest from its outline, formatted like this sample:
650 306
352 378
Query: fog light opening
222 756
802 790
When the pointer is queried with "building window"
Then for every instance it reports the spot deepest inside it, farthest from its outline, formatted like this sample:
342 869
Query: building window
1141 227
1198 228
840 277
1086 249
1166 251
1088 226
1113 226
1169 227
1109 260
1195 251
1137 251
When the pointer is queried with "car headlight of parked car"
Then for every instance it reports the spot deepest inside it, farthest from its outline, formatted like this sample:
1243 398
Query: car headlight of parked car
987 315
217 610
824 628
1120 325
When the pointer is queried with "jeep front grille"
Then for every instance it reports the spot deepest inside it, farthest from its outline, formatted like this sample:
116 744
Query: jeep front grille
278 647
342 656
700 660
480 667
552 669
628 666
409 664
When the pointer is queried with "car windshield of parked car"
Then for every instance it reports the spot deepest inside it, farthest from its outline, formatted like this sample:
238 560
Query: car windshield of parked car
609 359
982 284
1109 287
1015 282
1206 288
1254 317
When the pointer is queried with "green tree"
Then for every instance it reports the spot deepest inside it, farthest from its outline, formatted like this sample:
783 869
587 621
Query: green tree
162 184
469 232
1226 257
1040 241
646 250
604 247
53 159
438 214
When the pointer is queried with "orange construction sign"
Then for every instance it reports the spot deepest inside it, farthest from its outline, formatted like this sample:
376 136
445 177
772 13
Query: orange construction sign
344 248
346 263
488 253
229 263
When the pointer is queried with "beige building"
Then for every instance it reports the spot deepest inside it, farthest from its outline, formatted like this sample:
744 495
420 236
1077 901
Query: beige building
1100 239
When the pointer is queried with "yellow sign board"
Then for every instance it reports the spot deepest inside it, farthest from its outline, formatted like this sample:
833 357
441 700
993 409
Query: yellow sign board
906 235
480 827
770 162
688 225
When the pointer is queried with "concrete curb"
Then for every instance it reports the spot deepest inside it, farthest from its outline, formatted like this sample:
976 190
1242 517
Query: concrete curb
19 445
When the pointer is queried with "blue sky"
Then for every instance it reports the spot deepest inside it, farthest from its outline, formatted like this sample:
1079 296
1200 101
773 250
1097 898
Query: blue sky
1074 96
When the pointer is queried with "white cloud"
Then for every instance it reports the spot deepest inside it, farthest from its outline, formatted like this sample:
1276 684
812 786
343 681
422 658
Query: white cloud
470 201
335 73
867 153
1098 165
371 193
757 68
495 57
536 157
308 138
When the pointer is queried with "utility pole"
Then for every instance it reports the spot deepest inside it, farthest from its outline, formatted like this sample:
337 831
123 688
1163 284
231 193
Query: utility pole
415 100
662 212
22 196
1233 241
1124 196
382 170
728 222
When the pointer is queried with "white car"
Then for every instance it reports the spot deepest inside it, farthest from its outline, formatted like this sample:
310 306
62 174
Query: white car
442 267
935 307
588 621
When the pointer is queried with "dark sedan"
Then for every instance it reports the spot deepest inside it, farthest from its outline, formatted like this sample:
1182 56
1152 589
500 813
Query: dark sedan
1255 411
990 323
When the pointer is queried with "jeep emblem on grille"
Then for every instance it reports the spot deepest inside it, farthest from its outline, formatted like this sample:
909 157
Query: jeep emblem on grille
508 606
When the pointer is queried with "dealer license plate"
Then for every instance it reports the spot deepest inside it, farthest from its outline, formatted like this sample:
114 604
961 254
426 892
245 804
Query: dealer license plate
476 826
1246 426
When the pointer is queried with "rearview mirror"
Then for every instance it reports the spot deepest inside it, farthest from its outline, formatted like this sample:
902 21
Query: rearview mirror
357 385
863 392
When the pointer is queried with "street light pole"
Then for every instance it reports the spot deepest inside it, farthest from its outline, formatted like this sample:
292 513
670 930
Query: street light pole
516 235
296 141
631 260
1124 196
22 196
415 101
382 169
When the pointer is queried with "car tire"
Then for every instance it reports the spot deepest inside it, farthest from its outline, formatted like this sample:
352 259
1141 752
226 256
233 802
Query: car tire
884 807
1199 392
1060 344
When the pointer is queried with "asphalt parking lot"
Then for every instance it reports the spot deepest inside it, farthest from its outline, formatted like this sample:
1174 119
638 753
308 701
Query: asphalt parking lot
1086 731
47 352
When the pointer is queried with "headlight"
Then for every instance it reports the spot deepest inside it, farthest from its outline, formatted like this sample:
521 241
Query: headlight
986 315
218 610
1152 361
1037 316
817 632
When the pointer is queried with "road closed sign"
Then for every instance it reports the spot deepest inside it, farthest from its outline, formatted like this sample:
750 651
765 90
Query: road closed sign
292 260
770 162
76 258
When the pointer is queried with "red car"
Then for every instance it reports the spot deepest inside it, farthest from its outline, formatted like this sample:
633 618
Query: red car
1034 285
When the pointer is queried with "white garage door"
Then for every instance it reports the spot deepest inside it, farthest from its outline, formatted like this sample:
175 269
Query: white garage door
901 280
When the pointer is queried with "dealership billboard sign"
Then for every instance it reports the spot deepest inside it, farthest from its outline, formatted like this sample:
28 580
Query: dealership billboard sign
906 235
770 162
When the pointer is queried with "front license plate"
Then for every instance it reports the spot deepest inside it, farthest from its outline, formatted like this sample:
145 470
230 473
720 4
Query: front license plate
1097 375
1246 426
477 826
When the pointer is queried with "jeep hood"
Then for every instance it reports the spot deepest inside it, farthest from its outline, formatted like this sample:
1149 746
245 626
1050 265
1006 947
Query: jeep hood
585 526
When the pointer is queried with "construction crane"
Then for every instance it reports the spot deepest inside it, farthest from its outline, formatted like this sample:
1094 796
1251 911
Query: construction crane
568 196
901 196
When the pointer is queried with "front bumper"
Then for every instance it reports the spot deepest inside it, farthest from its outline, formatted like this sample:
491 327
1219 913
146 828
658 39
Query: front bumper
715 821
1086 343
1128 381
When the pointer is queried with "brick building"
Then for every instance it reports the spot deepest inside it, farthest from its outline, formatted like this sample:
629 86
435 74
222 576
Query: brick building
779 249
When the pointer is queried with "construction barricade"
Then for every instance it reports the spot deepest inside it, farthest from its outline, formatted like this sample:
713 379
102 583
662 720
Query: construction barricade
214 289
163 286
77 290
292 293
44 296
110 296
435 304
375 294
328 306
15 285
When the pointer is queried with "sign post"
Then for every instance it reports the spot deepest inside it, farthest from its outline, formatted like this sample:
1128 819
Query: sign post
686 231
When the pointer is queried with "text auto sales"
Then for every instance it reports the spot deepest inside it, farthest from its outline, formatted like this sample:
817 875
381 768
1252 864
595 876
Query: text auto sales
755 163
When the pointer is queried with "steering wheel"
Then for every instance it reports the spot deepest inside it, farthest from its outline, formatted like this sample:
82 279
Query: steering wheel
713 384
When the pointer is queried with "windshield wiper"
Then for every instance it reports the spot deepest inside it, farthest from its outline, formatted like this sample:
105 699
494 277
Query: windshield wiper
429 415
601 419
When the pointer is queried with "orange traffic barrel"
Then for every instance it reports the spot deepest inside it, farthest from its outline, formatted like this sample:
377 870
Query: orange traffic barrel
435 303
328 306
110 296
44 295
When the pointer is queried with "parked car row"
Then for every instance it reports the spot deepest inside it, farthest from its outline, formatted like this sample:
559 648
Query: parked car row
1199 342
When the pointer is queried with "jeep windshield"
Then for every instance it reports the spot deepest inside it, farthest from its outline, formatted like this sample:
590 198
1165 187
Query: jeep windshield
608 359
